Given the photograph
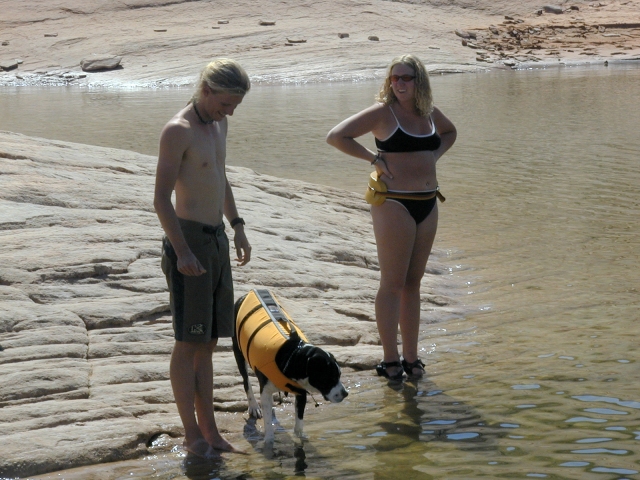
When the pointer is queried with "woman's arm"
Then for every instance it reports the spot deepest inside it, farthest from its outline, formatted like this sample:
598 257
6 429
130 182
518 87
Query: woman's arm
446 130
343 135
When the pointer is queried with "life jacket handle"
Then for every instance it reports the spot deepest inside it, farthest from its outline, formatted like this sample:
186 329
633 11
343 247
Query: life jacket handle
275 312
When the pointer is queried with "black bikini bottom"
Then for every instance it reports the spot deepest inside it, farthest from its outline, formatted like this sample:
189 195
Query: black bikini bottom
418 209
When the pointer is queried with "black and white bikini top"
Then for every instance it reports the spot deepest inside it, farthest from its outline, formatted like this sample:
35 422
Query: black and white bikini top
401 141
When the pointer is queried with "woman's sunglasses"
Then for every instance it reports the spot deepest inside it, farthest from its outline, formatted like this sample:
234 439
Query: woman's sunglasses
404 78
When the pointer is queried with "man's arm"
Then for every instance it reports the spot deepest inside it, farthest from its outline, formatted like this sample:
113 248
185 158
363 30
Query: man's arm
243 249
174 141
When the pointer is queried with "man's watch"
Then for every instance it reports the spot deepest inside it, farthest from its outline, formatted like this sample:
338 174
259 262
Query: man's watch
236 221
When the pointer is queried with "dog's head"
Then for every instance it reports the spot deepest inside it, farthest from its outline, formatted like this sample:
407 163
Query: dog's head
324 376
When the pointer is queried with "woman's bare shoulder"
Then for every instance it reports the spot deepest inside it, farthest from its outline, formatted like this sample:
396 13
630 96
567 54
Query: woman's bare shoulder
376 111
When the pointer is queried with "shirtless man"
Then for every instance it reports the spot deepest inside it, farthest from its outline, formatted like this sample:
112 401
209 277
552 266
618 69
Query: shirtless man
195 257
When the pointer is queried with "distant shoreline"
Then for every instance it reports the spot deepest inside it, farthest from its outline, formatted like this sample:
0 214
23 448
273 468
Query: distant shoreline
167 43
39 80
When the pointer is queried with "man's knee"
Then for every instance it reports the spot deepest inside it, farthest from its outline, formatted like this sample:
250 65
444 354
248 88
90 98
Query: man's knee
205 348
194 348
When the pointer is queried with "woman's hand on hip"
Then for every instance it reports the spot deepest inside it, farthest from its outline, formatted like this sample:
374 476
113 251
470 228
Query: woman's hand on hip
382 168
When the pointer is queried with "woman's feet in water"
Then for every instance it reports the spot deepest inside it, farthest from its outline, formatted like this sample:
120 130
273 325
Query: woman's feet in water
395 371
390 370
413 369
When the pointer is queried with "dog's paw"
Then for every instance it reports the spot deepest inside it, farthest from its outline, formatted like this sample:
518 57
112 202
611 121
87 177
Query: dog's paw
298 428
254 407
254 411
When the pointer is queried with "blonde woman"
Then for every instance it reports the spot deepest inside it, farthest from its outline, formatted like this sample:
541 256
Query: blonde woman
411 135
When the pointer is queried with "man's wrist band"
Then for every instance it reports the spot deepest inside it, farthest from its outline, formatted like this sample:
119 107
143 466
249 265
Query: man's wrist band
236 221
377 157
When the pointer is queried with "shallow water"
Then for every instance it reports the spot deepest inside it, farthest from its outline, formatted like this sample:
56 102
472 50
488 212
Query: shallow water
540 225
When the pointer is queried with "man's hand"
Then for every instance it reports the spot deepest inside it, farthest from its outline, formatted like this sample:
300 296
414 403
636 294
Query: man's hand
188 264
243 249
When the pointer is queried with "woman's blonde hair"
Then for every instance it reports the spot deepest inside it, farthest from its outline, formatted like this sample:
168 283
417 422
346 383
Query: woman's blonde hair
223 75
423 95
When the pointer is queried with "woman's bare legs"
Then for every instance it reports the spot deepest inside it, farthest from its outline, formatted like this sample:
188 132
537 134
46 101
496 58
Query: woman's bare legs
403 251
410 304
394 230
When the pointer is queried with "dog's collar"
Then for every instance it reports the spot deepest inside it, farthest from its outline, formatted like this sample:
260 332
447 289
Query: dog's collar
301 345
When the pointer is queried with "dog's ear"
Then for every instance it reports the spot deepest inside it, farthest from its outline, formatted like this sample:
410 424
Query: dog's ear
324 373
317 361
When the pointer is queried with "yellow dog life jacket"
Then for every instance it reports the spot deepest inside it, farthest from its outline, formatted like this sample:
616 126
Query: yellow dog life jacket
262 327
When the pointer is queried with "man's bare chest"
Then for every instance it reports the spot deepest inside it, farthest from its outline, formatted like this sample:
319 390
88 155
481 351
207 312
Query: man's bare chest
207 152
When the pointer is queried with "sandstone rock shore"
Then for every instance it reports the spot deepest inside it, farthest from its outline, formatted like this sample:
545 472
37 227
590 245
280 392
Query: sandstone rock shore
85 327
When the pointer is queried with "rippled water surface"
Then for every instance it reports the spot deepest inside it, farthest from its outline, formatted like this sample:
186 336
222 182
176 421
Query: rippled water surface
541 226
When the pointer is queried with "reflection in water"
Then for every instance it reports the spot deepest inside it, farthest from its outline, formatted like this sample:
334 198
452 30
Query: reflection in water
540 225
426 416
196 468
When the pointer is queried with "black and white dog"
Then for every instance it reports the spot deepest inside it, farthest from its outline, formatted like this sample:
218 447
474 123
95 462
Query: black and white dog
269 342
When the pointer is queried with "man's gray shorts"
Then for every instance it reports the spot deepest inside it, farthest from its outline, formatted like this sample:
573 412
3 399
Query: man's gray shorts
202 306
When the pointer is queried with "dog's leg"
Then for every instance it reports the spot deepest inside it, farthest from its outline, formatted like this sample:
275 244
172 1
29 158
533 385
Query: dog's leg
266 398
254 408
301 402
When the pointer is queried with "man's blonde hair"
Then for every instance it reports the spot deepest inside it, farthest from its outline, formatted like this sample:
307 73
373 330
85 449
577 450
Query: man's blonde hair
423 95
223 75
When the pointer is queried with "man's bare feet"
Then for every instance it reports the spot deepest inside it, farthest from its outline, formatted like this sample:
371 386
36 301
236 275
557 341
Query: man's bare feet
219 443
201 448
